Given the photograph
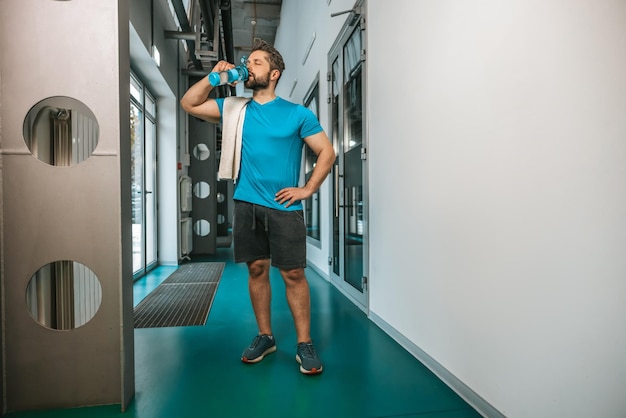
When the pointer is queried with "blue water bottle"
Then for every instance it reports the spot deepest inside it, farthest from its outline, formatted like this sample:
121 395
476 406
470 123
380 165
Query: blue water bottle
239 73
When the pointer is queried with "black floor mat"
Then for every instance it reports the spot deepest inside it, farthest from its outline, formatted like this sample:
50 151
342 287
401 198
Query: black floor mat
183 299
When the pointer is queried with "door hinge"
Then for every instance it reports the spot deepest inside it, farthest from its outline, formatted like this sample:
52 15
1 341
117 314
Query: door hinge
363 154
330 261
364 280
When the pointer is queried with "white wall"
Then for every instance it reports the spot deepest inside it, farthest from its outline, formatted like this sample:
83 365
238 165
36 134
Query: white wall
299 21
166 83
498 195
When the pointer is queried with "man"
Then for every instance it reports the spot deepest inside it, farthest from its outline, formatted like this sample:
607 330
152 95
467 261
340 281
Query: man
268 218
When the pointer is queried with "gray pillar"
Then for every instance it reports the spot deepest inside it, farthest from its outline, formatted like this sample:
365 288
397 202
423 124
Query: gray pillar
203 173
81 213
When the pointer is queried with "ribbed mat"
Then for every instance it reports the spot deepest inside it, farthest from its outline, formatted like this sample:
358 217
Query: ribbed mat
183 299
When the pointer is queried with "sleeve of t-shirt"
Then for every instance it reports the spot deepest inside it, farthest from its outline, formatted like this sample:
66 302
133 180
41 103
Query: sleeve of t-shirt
309 125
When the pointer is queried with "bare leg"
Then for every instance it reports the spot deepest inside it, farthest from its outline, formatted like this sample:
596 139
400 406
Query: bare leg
260 293
299 300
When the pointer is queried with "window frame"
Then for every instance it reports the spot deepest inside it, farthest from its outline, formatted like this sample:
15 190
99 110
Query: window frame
312 205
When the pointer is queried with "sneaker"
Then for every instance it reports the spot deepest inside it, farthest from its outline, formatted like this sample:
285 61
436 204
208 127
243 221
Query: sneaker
261 346
307 357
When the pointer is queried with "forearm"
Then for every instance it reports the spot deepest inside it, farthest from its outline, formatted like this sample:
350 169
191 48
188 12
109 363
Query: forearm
196 100
323 165
325 160
196 95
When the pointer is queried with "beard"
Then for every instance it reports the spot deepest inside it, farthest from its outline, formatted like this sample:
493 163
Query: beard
257 83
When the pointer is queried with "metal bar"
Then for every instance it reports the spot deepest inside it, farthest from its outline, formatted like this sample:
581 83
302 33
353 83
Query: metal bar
227 24
174 34
269 3
192 72
207 15
184 25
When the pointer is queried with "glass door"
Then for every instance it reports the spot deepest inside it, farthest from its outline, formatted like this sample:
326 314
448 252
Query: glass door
136 144
150 182
349 242
143 177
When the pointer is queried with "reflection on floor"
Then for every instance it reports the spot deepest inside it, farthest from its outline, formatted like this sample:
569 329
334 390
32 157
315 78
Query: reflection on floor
191 372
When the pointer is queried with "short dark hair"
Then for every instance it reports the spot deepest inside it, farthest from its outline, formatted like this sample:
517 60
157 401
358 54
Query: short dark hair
274 57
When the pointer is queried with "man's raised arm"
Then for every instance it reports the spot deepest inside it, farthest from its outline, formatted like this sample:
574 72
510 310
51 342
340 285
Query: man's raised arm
196 100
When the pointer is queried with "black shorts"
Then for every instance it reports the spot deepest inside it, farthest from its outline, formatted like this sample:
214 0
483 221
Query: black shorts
260 232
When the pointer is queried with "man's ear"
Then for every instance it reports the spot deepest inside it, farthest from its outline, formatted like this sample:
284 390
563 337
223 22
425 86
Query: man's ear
274 75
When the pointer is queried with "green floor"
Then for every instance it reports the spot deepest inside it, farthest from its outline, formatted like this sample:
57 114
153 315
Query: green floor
196 371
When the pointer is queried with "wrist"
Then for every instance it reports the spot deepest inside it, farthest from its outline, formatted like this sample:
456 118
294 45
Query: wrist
309 189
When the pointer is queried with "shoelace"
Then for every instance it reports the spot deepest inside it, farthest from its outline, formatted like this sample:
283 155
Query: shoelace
307 350
256 341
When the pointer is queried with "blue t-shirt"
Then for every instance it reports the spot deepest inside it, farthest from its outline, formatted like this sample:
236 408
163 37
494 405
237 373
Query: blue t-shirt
271 150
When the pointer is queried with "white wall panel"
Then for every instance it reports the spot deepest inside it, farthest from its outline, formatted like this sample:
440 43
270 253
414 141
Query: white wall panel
498 193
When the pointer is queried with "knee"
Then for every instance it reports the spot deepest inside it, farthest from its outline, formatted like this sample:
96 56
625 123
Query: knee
258 269
293 275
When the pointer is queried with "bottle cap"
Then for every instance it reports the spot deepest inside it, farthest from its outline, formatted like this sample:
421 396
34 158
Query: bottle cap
214 79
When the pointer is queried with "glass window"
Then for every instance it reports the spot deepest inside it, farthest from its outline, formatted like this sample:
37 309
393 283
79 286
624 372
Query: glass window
352 54
143 176
150 105
353 100
136 91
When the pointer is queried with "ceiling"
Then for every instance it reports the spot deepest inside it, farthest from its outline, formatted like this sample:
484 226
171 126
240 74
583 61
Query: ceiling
241 22
253 19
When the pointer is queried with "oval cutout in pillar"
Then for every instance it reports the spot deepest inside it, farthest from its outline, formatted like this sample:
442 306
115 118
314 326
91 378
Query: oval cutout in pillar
61 131
201 152
63 295
202 190
202 228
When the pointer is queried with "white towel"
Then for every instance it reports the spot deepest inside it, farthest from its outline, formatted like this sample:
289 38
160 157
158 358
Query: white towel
234 112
